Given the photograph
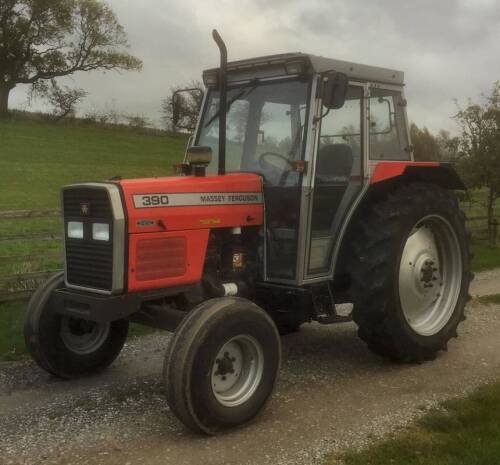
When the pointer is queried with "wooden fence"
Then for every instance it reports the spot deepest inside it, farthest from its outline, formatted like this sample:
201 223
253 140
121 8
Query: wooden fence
18 280
21 284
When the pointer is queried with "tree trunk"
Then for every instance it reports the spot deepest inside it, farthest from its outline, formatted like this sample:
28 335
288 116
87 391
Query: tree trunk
4 100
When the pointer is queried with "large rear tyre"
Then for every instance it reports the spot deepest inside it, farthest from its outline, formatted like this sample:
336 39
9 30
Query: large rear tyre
410 271
69 347
222 364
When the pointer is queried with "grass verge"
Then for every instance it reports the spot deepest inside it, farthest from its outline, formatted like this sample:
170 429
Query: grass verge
486 257
490 299
465 432
11 330
12 345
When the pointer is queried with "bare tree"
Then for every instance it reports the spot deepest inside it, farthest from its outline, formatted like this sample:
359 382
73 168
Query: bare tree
62 98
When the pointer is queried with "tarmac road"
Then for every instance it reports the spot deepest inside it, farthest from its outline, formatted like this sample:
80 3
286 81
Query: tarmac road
332 393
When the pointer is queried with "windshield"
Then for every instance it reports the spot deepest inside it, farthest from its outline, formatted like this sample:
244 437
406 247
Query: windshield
265 128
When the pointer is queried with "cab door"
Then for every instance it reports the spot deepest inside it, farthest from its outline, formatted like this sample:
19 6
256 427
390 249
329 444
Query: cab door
337 180
282 184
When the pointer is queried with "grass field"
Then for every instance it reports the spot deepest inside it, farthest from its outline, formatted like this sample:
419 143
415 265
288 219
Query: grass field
464 432
36 159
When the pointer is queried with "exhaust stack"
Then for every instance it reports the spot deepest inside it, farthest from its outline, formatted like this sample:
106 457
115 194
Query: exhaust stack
222 100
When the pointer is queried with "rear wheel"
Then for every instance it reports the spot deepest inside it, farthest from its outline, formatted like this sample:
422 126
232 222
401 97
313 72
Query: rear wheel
68 347
222 364
410 270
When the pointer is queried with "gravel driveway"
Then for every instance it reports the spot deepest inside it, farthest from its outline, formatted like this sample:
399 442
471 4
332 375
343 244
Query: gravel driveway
333 393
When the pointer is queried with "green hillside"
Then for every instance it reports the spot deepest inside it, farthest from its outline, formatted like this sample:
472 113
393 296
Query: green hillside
37 158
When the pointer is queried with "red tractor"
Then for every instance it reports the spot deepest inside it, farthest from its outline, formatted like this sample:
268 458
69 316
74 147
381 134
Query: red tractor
299 192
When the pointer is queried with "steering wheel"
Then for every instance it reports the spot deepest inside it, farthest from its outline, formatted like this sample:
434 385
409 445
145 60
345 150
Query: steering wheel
285 174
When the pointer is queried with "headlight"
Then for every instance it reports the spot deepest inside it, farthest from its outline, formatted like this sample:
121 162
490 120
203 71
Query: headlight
100 232
75 229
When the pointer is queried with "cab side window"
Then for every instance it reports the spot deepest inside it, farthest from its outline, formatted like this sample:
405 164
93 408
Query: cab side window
338 158
388 136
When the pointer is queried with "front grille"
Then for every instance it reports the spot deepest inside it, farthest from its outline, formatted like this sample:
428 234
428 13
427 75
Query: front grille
89 263
96 199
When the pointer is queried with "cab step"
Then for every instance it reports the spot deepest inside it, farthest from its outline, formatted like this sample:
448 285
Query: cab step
326 310
331 319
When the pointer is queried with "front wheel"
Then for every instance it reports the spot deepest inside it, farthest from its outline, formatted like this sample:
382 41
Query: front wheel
410 270
68 347
222 364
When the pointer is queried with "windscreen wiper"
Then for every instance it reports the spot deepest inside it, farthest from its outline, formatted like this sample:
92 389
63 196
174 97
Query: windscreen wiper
243 93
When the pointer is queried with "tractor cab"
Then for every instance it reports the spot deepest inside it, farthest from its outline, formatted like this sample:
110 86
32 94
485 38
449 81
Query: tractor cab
310 127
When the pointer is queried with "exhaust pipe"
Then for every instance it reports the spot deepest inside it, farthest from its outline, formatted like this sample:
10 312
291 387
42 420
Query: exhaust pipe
222 100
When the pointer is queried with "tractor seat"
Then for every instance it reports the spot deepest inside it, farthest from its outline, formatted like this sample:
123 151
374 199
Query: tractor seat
334 165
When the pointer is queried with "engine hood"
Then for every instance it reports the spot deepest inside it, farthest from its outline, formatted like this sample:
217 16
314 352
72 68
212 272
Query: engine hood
190 202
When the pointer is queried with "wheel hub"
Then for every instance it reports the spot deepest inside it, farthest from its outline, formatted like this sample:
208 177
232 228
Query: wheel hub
82 336
225 365
426 273
237 370
429 275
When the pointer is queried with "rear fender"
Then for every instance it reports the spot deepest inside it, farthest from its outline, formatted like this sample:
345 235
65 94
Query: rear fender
442 174
385 177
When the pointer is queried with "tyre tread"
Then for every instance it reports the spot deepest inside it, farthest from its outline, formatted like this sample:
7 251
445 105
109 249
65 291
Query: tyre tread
370 260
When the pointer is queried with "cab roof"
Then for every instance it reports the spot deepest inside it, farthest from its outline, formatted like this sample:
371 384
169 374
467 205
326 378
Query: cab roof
276 65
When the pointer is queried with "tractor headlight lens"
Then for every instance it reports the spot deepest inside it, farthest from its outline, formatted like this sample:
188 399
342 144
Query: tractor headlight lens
100 232
75 229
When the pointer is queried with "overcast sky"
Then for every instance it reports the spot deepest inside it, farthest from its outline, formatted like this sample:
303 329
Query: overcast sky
447 48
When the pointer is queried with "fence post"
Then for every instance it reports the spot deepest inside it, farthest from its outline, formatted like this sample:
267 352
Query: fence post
493 232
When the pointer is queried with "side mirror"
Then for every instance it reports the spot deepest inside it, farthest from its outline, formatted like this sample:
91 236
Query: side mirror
176 107
186 105
334 90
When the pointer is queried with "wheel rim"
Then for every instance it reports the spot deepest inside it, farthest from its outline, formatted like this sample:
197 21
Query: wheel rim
430 275
237 370
82 336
